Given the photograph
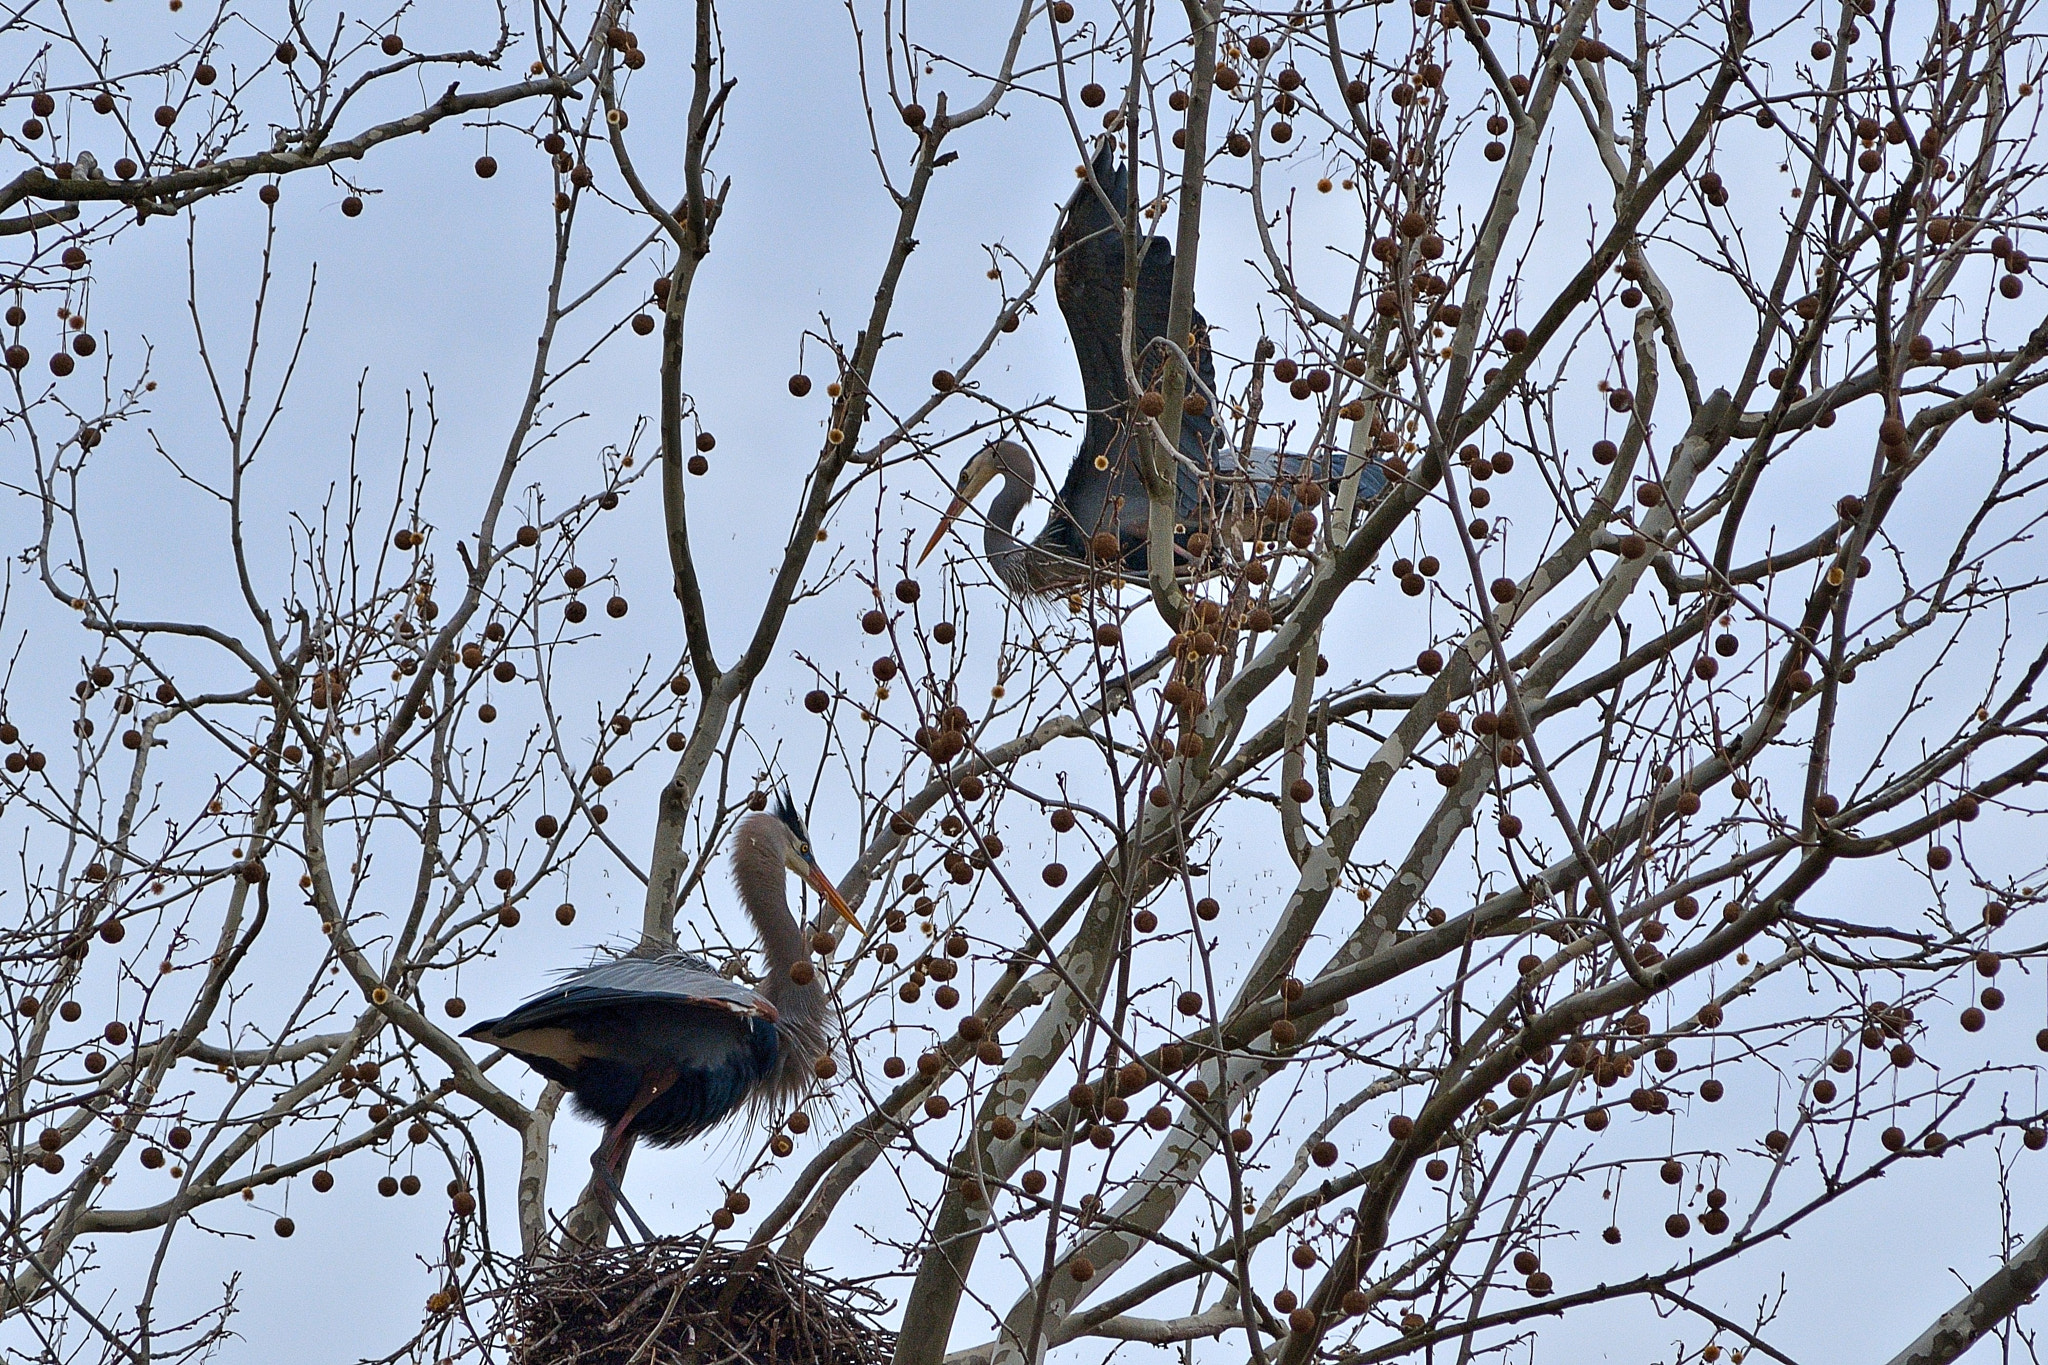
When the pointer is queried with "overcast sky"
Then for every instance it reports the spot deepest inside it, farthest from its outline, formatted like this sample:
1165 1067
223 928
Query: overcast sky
438 283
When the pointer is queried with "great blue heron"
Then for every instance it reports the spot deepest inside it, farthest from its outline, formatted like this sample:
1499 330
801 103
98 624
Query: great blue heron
657 1044
1104 489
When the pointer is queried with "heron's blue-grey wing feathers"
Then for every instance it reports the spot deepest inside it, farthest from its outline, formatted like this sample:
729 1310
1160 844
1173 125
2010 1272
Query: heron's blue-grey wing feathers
1275 471
625 980
671 974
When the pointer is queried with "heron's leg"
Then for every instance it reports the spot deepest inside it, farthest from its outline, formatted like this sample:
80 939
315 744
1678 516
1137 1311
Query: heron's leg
610 1153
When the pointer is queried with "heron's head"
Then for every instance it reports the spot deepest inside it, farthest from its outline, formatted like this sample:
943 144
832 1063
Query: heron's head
796 856
997 457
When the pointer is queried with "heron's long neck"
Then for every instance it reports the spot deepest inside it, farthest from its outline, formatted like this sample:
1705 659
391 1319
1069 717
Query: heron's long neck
758 869
1012 557
1000 538
764 890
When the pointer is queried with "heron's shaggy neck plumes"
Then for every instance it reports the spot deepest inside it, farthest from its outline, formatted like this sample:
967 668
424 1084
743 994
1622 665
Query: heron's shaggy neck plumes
760 868
1036 568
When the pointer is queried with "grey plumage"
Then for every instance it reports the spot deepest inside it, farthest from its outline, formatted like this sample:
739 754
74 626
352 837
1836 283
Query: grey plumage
1104 494
657 1044
1231 494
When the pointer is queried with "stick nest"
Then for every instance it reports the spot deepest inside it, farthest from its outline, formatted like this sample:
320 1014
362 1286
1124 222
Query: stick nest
687 1302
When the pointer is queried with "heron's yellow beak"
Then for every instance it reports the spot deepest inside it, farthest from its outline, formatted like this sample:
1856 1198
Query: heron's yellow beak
822 884
945 524
979 472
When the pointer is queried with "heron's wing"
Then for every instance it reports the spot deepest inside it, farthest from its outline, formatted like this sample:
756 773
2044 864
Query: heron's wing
1272 470
1089 283
676 979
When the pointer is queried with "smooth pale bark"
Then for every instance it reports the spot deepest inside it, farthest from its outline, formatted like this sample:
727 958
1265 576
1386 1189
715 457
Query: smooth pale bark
1991 1303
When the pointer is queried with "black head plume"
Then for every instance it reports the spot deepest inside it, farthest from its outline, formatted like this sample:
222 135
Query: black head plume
785 811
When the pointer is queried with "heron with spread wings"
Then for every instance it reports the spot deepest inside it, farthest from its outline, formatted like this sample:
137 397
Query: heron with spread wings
656 1044
1104 491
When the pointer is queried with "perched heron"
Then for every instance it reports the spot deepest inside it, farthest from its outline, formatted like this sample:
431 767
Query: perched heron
1104 489
656 1044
